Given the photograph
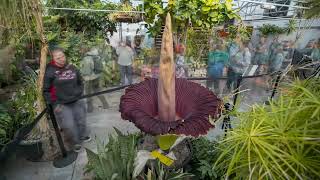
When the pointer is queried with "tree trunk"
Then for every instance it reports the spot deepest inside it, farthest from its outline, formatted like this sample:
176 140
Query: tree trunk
42 129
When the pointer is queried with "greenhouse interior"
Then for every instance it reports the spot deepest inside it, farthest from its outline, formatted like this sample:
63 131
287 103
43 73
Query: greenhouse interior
159 89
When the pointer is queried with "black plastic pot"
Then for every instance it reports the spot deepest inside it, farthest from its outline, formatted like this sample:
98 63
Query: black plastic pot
31 151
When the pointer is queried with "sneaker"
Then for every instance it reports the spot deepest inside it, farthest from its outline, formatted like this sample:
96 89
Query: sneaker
77 148
86 139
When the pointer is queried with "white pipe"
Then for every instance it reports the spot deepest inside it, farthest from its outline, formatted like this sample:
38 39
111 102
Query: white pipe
94 10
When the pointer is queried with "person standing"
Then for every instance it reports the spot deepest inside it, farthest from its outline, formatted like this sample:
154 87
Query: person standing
261 56
125 59
238 65
217 64
277 59
62 88
315 53
273 48
92 69
180 63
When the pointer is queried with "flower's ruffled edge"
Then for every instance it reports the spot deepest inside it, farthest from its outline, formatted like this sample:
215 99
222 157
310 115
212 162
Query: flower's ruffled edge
194 103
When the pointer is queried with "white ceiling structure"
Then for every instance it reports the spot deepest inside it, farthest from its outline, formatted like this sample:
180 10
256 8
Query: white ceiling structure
253 12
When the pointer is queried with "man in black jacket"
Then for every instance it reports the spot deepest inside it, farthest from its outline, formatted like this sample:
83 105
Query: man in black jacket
62 88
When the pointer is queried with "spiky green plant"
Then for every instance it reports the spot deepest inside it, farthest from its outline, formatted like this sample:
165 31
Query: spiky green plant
280 141
159 172
115 159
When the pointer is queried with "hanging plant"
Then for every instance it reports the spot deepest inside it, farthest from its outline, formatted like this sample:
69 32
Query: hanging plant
291 26
243 31
126 17
271 29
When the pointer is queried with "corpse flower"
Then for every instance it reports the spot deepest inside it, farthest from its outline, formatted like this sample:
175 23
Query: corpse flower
169 105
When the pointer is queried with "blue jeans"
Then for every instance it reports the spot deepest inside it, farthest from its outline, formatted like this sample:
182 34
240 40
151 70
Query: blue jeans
72 121
126 72
215 71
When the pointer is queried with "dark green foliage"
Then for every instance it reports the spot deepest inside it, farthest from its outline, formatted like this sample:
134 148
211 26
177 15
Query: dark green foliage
74 44
18 111
83 21
271 29
205 14
204 154
314 10
5 126
115 159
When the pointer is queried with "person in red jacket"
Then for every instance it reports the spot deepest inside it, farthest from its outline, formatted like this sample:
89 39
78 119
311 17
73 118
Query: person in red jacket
62 87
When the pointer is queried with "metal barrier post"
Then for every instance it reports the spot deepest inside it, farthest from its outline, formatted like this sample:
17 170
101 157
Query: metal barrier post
235 98
68 157
226 124
275 86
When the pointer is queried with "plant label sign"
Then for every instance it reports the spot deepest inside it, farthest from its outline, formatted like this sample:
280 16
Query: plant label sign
162 158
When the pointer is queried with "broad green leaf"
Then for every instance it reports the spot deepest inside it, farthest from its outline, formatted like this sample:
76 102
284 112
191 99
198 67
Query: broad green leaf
166 141
205 8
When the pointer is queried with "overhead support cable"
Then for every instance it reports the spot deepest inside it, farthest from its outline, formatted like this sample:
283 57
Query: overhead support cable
94 10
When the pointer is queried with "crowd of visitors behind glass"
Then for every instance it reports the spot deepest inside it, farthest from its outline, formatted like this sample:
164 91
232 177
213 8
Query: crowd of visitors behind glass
228 59
235 58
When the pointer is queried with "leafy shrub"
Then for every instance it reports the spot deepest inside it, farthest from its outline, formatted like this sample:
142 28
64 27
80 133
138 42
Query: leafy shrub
23 104
20 110
280 141
204 154
5 126
271 29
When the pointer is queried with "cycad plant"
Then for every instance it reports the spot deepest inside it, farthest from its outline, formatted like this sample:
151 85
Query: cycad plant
280 141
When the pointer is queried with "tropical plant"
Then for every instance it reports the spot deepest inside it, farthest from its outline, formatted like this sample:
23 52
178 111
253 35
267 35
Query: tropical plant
5 126
314 9
84 21
24 102
111 75
115 159
199 13
291 26
197 46
271 29
204 154
20 110
159 172
22 17
243 31
280 141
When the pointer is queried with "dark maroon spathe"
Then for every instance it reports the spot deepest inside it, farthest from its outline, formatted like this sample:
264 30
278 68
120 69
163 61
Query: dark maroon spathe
194 104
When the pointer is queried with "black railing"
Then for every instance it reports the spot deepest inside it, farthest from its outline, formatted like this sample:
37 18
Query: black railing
69 157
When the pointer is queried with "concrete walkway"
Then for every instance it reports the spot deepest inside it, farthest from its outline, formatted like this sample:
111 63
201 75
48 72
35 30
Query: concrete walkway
101 123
